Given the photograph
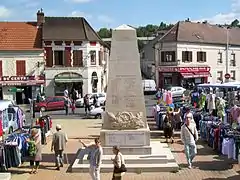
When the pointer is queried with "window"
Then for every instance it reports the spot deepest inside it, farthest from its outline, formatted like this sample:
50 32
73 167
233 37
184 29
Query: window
143 55
201 56
233 60
220 75
219 61
187 56
49 56
233 75
168 56
93 57
78 58
58 58
20 68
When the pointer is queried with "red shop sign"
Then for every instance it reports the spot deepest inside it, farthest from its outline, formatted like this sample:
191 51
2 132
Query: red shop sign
184 69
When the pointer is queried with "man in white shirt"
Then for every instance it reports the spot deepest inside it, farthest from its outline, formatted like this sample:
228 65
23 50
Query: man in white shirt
189 136
66 92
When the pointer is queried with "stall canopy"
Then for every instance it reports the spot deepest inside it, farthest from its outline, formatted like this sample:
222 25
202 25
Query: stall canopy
195 74
68 77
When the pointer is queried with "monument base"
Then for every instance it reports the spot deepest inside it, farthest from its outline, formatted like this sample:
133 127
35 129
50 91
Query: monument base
131 142
161 159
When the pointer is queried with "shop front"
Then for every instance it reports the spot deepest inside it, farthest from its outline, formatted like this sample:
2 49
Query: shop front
186 77
20 88
70 81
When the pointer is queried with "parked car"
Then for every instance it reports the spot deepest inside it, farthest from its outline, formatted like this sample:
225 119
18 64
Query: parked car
101 98
177 91
96 112
51 104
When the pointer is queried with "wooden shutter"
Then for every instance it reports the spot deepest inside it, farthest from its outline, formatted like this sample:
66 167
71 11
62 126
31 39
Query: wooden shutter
100 57
173 56
204 54
190 56
20 68
163 56
183 56
198 56
49 56
1 69
78 58
67 53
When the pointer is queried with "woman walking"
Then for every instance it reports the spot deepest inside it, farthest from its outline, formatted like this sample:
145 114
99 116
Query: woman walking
35 150
119 164
168 126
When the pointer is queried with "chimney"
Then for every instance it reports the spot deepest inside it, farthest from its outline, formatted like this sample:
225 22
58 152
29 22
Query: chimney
40 17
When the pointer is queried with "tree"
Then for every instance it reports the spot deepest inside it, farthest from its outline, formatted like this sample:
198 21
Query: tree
105 33
235 23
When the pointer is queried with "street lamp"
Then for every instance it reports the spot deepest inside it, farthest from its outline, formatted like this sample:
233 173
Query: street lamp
227 49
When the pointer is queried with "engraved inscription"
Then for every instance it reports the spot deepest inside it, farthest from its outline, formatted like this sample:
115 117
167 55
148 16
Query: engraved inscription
125 139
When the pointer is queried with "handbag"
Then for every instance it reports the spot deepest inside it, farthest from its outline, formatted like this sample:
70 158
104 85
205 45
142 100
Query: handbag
194 137
120 169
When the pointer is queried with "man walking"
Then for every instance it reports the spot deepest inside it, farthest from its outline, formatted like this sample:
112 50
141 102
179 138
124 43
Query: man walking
189 136
58 145
96 161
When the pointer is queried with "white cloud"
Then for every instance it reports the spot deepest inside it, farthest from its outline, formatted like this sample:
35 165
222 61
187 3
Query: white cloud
4 12
79 1
222 18
80 14
105 19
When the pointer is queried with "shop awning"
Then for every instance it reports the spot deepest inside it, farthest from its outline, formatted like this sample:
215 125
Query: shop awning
68 78
195 74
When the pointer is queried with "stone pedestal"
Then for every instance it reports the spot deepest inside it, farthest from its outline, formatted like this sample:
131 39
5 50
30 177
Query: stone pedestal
132 142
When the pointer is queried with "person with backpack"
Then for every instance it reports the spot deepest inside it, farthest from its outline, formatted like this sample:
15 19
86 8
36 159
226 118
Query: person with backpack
168 126
35 150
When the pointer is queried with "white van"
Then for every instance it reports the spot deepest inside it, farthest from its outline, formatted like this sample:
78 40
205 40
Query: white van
149 86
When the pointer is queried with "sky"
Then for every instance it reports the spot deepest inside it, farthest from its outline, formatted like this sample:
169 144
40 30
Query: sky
112 13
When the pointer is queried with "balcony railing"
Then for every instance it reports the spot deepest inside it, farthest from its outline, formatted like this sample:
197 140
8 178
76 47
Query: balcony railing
172 63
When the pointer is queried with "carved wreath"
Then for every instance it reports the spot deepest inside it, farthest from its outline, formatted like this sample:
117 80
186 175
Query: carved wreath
126 120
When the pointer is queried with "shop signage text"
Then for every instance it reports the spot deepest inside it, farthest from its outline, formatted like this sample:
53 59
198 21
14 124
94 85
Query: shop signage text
21 80
184 69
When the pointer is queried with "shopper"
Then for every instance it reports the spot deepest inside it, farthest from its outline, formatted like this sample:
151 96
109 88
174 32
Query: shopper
119 164
168 126
35 150
189 136
96 161
86 104
58 146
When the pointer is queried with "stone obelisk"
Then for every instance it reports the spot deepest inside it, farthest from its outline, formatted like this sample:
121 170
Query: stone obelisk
124 120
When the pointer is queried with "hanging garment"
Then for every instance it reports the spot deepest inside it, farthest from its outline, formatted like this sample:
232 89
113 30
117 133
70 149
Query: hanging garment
1 127
211 102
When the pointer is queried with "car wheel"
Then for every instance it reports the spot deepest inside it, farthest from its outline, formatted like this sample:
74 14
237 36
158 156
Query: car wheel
10 131
43 109
98 116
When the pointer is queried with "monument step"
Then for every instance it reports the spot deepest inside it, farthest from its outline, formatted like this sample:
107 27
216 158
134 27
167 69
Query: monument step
131 168
134 159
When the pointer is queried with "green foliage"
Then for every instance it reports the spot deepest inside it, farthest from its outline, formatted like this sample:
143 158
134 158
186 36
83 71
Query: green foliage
142 31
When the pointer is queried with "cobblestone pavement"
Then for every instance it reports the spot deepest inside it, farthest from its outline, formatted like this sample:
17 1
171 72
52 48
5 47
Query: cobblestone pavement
208 164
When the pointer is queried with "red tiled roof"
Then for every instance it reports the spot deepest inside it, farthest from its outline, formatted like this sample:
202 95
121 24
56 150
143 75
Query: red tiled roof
20 36
201 33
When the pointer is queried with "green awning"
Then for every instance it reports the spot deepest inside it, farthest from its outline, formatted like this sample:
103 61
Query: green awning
68 78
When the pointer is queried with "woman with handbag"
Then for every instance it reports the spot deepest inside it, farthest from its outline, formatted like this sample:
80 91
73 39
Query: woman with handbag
35 149
119 164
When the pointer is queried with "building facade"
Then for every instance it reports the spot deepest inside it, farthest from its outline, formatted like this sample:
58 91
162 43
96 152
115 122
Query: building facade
147 57
194 53
21 61
76 57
